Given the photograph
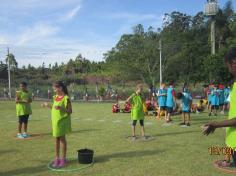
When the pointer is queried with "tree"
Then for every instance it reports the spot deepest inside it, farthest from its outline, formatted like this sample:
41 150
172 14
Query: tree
12 61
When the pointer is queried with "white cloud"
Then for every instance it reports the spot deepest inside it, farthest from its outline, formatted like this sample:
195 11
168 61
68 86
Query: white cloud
51 50
3 40
132 16
72 13
37 31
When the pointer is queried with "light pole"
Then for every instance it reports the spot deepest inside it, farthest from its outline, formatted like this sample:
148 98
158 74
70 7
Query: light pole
160 48
9 73
211 9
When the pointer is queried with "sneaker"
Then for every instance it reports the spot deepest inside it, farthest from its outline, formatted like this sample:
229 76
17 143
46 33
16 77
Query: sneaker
25 135
62 163
144 138
133 138
20 136
188 124
183 123
209 114
222 112
56 163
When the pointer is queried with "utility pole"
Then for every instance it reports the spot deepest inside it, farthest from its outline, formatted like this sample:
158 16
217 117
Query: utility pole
160 48
213 37
9 73
211 10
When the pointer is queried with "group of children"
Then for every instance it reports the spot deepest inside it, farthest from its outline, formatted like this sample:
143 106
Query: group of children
60 115
61 110
218 98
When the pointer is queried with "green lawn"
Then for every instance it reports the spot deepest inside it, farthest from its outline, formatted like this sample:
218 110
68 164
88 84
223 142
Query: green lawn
175 151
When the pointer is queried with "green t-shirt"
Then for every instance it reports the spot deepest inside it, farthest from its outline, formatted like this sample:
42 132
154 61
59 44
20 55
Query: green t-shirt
61 121
23 108
231 131
137 107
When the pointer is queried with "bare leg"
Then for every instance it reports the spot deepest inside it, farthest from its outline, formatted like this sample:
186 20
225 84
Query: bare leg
210 110
183 117
25 125
143 131
57 147
188 117
168 117
64 146
19 127
159 113
133 130
215 111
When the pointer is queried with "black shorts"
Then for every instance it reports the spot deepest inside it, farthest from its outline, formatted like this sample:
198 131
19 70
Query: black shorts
186 111
23 119
214 107
169 109
162 108
221 104
209 102
140 121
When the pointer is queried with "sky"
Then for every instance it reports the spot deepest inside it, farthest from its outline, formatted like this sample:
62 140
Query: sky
50 31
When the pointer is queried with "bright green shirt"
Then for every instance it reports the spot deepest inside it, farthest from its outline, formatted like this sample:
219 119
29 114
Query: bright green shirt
61 121
231 131
137 107
23 108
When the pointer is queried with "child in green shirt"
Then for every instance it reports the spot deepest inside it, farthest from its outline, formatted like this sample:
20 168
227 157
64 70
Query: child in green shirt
23 109
137 100
230 60
61 121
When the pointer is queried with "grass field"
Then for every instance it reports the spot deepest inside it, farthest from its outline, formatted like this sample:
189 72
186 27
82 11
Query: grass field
175 151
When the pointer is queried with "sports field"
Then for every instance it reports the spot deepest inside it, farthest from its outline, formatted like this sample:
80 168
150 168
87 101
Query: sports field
175 151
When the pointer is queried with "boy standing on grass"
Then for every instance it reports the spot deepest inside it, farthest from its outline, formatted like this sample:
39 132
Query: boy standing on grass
161 98
23 109
170 102
186 106
221 98
137 113
215 101
230 60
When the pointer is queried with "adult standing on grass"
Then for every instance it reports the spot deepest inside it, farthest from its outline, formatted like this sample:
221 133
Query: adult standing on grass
230 60
61 121
137 112
23 109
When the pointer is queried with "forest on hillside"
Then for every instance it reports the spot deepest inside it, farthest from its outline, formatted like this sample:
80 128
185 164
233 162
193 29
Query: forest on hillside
186 55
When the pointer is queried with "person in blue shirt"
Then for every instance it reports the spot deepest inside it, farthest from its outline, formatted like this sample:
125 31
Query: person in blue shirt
221 97
226 97
186 98
170 102
161 100
210 88
215 100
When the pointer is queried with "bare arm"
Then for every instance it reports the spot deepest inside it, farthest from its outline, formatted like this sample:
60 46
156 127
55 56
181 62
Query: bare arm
128 99
69 107
17 99
210 127
225 123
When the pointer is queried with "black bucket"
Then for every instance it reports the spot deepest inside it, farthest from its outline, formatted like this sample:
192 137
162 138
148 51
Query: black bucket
85 156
